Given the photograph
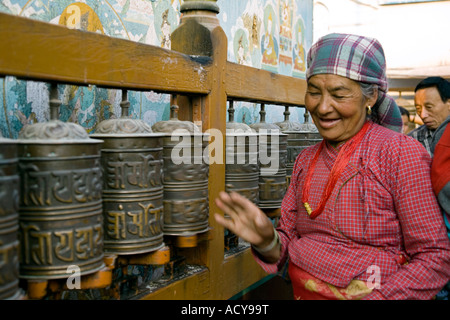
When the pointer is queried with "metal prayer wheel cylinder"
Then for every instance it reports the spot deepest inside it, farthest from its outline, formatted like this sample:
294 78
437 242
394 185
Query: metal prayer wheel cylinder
186 206
241 166
299 137
132 186
241 159
9 220
272 178
298 141
272 163
60 208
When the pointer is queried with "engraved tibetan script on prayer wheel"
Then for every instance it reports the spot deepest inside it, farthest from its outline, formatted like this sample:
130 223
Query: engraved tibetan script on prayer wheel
186 207
132 189
9 220
272 163
60 202
298 141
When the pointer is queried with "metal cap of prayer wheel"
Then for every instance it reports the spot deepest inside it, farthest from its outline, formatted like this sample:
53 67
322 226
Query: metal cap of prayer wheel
288 125
132 184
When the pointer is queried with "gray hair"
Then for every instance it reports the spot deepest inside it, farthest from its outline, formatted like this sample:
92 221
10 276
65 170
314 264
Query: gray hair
368 89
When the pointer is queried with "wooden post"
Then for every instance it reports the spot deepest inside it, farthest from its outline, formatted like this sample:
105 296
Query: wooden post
200 34
194 37
194 34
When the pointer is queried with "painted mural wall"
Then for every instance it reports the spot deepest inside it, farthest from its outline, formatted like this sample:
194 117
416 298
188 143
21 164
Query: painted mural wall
268 34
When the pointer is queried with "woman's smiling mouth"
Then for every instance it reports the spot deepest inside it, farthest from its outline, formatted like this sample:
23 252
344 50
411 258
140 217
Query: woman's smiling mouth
328 123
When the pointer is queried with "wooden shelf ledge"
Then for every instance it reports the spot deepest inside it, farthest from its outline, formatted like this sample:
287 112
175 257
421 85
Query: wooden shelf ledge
238 272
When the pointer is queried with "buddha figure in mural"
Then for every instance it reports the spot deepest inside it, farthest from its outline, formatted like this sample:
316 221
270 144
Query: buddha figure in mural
269 49
299 50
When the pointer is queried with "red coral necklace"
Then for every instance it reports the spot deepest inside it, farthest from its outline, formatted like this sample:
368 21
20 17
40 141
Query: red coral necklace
339 165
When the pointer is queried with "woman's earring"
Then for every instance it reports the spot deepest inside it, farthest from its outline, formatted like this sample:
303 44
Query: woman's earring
369 110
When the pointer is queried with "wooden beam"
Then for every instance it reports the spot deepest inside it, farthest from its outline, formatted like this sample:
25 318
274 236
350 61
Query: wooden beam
41 51
246 83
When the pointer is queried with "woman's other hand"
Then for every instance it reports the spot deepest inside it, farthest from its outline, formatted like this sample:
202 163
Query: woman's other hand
244 219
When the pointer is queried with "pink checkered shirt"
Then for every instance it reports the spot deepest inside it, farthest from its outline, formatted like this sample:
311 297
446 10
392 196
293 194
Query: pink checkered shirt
381 211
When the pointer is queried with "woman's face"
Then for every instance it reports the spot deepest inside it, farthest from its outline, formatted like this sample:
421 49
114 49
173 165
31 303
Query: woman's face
337 106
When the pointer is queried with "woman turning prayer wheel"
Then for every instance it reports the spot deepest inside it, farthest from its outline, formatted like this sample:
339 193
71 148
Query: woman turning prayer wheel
350 221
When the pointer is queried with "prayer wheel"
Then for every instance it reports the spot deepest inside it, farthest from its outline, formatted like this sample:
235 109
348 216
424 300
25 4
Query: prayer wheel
299 137
241 165
132 184
272 163
186 207
9 220
60 207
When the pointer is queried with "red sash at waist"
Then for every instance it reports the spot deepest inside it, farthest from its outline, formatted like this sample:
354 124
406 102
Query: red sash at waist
308 287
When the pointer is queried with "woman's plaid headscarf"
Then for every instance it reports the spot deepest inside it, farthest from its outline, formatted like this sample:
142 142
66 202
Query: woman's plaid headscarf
361 59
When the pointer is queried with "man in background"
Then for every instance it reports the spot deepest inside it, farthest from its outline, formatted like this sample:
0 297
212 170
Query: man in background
432 101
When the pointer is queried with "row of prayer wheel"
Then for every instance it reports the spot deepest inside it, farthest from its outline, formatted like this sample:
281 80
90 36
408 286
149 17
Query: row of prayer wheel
68 198
260 157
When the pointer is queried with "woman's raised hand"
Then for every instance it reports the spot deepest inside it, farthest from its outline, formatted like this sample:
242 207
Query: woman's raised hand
244 219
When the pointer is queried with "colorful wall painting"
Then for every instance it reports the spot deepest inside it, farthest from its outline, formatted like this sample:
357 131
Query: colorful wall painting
269 34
